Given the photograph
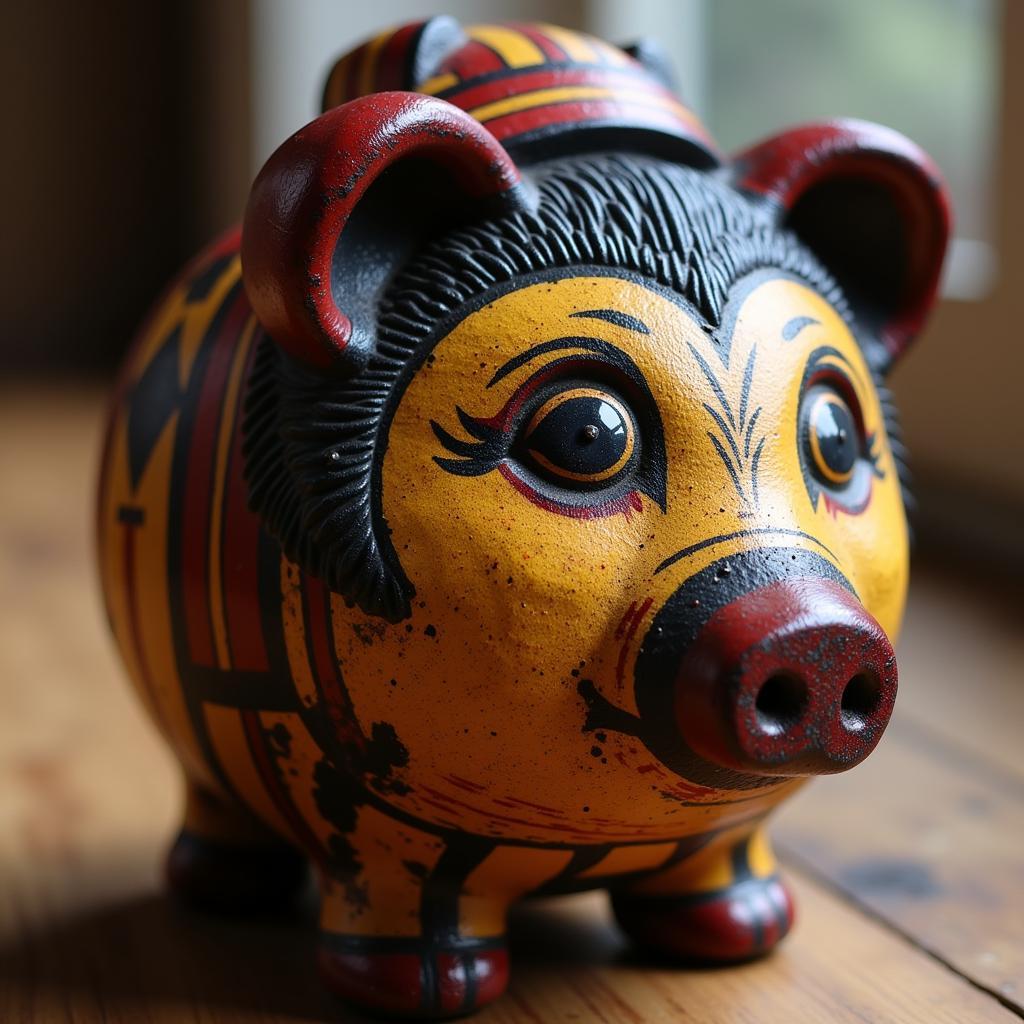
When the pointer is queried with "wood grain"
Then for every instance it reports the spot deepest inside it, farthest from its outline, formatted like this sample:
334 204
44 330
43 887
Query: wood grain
908 870
928 834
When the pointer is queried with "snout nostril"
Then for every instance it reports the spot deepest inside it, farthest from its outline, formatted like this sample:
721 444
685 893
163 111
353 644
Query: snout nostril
861 699
780 703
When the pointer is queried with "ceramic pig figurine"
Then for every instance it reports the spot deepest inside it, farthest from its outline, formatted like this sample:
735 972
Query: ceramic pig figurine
514 506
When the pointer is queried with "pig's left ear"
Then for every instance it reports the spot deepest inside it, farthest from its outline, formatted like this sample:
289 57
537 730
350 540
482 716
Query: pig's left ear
874 209
341 204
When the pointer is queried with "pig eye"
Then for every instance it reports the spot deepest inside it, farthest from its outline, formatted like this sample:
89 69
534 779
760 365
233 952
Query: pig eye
833 438
840 457
580 436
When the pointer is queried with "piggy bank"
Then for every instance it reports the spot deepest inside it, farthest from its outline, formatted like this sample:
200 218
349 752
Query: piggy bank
514 505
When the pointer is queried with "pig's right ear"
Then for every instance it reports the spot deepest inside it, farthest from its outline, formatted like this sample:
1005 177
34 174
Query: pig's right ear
874 209
341 204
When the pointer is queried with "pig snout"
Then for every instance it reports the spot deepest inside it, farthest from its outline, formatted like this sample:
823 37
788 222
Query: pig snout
793 678
763 664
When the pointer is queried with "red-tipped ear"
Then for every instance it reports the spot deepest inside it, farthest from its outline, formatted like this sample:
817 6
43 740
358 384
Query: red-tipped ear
872 206
317 297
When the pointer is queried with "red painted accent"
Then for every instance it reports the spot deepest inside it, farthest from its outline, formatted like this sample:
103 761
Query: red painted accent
812 633
199 486
320 640
787 166
471 61
603 112
551 50
392 983
627 642
742 922
467 95
623 505
277 792
466 784
391 62
239 552
307 190
225 243
352 73
620 629
447 803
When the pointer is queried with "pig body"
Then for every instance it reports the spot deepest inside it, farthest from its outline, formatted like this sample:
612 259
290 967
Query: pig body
516 528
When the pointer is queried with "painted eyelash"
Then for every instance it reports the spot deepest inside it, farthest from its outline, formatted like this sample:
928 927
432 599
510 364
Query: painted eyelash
874 455
475 458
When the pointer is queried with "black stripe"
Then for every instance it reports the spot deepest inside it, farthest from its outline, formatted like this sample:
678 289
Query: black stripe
341 942
752 532
176 513
243 689
430 991
779 907
439 904
740 858
613 316
131 515
750 898
202 284
567 879
628 74
468 962
740 892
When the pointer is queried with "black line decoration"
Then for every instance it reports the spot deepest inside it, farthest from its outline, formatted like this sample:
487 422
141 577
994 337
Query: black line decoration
737 431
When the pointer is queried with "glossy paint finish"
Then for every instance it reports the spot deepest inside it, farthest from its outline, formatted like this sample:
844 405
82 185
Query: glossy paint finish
582 531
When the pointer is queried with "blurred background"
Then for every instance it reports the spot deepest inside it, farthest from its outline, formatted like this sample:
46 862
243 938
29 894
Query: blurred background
135 129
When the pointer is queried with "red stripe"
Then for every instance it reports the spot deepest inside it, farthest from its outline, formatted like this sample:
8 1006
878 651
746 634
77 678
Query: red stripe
393 60
199 485
588 111
472 60
552 78
227 242
280 797
320 639
545 44
240 538
352 73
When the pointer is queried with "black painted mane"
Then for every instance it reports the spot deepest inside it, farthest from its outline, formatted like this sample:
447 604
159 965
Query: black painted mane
314 445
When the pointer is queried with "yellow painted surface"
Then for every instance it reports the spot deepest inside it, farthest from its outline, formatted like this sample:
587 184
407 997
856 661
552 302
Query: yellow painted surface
625 859
232 750
514 48
519 597
575 93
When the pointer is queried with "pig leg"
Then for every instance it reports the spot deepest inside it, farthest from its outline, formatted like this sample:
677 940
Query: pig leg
224 859
406 930
726 903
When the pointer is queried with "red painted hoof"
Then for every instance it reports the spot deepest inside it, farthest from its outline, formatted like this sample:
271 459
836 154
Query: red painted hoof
404 978
745 921
235 878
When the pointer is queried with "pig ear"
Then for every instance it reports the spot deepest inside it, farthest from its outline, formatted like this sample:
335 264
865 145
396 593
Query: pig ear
655 58
341 202
874 209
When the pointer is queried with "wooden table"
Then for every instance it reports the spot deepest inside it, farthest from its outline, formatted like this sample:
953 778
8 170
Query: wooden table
909 870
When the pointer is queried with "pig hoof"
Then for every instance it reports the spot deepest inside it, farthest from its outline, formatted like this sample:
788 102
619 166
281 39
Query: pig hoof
744 921
235 877
410 978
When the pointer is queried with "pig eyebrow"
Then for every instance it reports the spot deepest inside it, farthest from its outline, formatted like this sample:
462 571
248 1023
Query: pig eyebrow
613 316
604 348
793 327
